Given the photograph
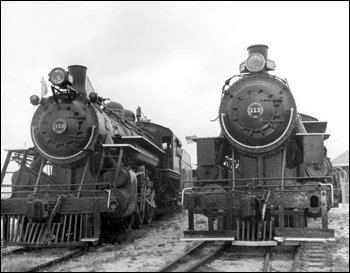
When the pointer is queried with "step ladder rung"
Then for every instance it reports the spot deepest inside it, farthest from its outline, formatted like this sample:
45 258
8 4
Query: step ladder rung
89 239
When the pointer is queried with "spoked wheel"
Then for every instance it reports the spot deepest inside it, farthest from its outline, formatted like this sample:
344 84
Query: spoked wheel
139 218
149 210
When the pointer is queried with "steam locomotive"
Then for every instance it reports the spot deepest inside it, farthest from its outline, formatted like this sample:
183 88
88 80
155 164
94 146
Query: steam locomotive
94 169
268 171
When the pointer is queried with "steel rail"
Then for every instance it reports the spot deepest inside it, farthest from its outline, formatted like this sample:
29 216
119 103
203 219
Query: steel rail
58 260
267 260
172 265
296 259
207 259
20 249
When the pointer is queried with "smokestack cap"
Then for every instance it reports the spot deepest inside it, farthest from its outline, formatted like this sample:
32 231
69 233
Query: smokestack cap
261 49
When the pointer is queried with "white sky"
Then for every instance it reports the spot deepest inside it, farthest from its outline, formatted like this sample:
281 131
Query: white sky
172 58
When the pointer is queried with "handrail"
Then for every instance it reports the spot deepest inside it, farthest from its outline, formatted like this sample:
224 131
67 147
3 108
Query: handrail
183 195
271 186
329 178
59 185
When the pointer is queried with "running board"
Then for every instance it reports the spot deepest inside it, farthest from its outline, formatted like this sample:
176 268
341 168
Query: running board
293 239
232 239
254 243
304 234
190 238
208 235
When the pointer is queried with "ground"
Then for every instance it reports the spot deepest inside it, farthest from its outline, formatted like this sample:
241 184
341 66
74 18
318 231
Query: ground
339 221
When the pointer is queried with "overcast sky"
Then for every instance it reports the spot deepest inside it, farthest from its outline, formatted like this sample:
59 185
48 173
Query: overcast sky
172 58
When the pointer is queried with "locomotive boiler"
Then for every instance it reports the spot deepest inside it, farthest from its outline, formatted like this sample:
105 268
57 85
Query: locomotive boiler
267 172
95 169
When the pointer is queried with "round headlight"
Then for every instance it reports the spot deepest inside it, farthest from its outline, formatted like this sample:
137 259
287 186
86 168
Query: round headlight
255 62
57 76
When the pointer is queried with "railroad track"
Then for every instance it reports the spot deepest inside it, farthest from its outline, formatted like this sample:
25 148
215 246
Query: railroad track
248 258
6 252
282 259
33 261
204 253
74 254
314 257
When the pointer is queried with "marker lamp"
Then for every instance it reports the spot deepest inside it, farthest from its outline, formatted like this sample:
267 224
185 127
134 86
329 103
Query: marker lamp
34 99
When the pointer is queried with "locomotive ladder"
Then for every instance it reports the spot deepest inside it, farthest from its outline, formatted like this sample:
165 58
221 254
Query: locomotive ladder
115 151
107 153
25 152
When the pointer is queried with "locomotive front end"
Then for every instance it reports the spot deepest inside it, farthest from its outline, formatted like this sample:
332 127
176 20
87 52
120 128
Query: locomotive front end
66 125
50 202
258 112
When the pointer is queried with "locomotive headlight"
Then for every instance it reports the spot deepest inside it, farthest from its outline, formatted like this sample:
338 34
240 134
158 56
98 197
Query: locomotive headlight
58 76
255 62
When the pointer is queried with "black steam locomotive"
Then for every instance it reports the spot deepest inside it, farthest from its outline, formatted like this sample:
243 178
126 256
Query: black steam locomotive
268 171
94 167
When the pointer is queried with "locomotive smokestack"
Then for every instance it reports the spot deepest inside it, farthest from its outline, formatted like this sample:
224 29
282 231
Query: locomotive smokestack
78 72
261 49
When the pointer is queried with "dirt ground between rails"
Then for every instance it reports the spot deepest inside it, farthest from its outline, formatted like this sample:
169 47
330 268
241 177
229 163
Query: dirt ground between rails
151 247
146 249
